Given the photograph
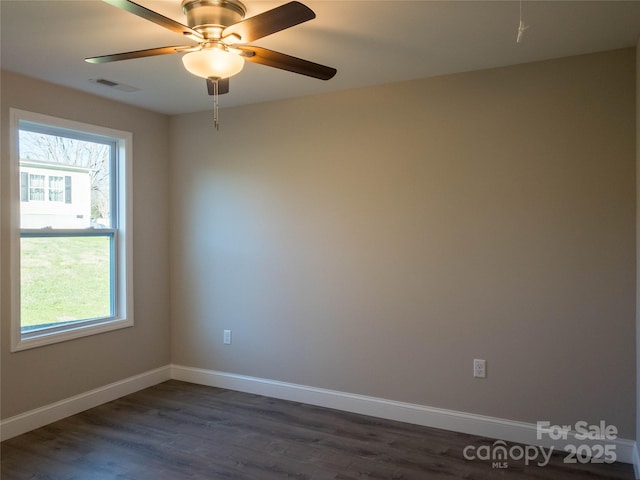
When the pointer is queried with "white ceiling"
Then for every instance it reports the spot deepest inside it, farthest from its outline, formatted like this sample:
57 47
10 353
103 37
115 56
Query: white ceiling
369 42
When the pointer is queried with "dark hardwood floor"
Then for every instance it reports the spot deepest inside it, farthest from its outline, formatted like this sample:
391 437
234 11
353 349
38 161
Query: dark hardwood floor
176 431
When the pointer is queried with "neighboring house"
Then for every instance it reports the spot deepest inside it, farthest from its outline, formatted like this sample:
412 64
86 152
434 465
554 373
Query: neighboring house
54 194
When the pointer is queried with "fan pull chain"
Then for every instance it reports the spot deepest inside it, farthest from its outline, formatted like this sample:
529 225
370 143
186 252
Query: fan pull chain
521 26
216 114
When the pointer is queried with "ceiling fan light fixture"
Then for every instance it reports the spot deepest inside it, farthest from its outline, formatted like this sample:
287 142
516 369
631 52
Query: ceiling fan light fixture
213 63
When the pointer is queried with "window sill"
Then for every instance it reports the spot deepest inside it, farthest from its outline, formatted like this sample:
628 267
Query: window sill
39 339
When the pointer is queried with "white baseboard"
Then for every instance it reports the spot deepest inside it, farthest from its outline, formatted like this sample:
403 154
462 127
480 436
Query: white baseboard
40 417
491 427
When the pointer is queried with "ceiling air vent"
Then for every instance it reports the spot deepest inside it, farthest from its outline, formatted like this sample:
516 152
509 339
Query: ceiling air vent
111 84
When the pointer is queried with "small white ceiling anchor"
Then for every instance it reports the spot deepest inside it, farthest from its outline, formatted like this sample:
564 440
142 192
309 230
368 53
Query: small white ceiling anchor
521 26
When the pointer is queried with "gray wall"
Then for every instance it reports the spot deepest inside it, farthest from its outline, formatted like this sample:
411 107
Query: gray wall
40 376
638 245
375 241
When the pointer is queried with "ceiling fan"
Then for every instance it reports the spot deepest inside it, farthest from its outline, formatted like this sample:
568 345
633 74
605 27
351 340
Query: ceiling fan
223 34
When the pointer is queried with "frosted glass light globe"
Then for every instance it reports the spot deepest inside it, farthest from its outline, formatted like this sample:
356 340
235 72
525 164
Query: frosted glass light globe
213 63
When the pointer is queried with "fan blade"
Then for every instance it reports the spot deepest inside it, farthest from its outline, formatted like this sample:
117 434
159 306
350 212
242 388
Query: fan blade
156 18
137 54
223 86
285 62
271 21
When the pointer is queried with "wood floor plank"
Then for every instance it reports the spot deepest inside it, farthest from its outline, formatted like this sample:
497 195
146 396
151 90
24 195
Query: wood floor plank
176 431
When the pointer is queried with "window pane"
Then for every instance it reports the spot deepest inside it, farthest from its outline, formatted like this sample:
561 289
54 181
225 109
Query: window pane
69 182
56 189
64 279
36 191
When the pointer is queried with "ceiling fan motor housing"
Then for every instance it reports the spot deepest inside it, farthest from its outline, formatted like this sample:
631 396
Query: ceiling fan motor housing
210 17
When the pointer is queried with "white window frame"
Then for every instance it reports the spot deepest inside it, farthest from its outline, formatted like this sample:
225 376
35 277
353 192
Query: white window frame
51 189
123 259
44 187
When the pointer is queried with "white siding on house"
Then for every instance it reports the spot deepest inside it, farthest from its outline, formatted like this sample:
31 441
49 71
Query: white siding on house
54 196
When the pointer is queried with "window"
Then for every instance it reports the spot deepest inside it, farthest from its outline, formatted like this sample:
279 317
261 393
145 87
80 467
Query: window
36 187
71 248
56 189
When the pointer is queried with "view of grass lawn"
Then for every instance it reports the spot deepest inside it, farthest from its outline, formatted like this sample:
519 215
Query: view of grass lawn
64 279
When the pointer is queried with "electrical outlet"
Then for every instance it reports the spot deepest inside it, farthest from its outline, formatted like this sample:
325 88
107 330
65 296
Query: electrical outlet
479 368
226 337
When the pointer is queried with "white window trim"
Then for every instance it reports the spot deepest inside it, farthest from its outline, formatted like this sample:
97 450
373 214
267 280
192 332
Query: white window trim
124 282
